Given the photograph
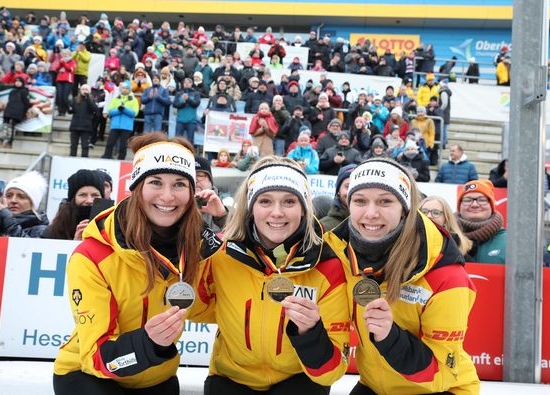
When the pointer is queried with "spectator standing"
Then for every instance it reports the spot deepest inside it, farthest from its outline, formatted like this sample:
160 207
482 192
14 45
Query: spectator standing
481 223
19 207
155 100
15 110
320 116
281 116
379 113
263 128
458 170
429 89
122 111
427 129
82 58
83 109
64 81
472 73
445 94
503 71
413 161
329 139
294 126
186 102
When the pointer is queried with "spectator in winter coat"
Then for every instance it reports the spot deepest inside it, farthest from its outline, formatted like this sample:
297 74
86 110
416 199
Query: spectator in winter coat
330 139
458 170
64 81
413 160
293 127
19 213
499 174
295 98
379 113
340 155
155 100
83 110
320 116
339 209
14 113
263 128
360 135
305 155
122 110
378 148
186 102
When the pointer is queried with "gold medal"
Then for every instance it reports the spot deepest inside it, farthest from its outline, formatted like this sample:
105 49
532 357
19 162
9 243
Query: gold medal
365 291
180 294
279 288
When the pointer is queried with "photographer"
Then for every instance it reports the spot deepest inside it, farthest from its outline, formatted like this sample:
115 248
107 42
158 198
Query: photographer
84 109
338 156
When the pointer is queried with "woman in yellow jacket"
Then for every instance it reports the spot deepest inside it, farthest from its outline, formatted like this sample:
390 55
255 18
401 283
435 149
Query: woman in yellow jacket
276 292
121 275
409 294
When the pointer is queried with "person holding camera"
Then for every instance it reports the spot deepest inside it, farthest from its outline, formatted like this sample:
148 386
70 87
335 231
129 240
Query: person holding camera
122 111
84 109
338 156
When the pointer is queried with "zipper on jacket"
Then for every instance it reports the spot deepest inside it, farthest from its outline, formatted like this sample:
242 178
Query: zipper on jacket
262 294
165 290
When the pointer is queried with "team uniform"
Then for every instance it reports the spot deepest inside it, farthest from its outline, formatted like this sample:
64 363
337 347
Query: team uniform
256 345
423 352
106 282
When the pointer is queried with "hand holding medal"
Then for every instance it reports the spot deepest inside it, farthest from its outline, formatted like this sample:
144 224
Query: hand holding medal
279 288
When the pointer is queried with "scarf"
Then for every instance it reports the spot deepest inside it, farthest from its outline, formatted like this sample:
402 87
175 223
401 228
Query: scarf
481 231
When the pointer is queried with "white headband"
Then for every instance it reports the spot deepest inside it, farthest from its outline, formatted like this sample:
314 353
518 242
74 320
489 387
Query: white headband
384 175
277 178
163 157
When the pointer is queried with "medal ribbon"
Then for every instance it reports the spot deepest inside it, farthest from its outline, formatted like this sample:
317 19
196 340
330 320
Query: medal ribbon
178 271
269 263
354 264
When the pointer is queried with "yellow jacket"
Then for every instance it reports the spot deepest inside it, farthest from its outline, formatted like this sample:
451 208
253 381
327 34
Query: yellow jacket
256 345
427 128
106 281
424 352
425 92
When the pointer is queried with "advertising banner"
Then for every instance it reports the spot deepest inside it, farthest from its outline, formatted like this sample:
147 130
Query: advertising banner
39 118
226 130
396 43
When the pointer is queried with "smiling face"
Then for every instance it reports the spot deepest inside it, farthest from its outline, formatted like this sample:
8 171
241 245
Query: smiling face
434 211
17 201
475 207
165 199
374 212
85 196
277 215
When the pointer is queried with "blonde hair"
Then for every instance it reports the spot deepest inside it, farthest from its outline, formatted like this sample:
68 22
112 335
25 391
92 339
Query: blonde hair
451 224
237 224
137 230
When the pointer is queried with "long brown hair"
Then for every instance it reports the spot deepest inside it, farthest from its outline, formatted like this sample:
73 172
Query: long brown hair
137 229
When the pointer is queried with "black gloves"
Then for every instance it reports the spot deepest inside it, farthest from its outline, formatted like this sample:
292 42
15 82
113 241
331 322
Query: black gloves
121 108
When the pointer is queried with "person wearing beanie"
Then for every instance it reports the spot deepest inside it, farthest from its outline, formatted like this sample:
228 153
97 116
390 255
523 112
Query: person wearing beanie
14 112
339 155
64 80
481 223
83 109
142 255
122 111
272 250
73 214
304 153
413 160
405 277
19 208
339 208
293 126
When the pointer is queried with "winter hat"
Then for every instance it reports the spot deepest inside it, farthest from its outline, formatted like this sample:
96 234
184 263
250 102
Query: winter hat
398 111
377 142
484 187
293 83
367 116
277 177
394 127
37 38
162 157
430 77
304 128
343 175
59 42
334 121
33 184
421 109
411 144
10 44
84 178
106 177
344 133
384 174
203 165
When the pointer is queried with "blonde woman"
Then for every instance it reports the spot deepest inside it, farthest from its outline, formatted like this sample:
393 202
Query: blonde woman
438 210
276 292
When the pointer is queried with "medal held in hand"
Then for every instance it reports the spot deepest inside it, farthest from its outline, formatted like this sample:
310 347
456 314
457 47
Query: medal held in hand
365 291
279 288
180 294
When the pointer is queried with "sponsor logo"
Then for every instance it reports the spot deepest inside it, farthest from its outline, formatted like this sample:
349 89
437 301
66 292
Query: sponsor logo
76 296
450 336
122 362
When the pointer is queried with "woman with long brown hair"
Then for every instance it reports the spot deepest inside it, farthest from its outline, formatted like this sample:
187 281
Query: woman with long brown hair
136 259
